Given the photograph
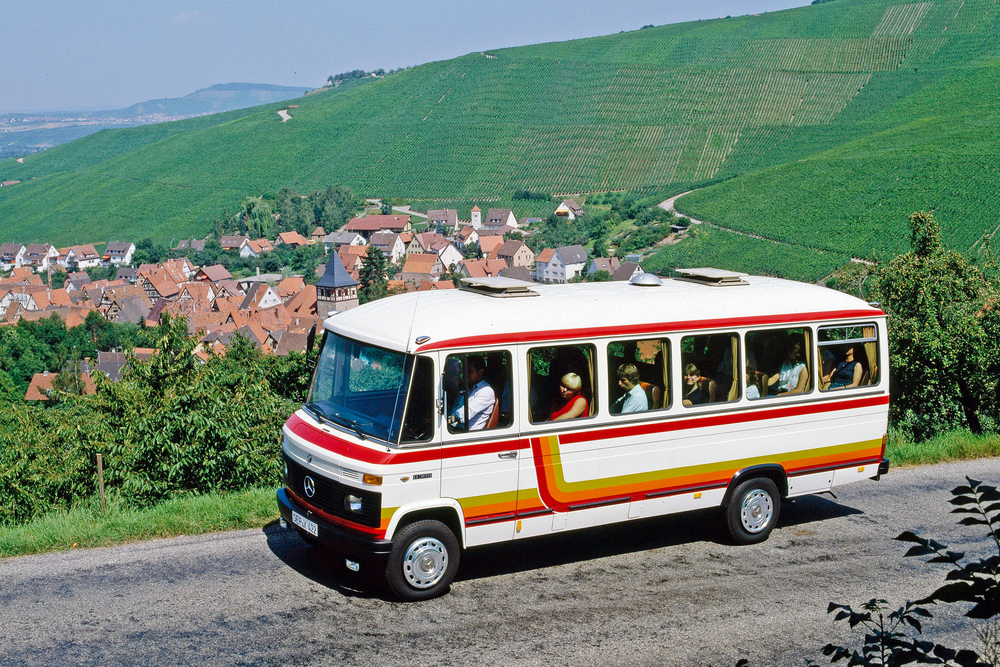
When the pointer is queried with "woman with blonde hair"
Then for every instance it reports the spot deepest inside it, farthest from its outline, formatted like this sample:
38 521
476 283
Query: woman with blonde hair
574 404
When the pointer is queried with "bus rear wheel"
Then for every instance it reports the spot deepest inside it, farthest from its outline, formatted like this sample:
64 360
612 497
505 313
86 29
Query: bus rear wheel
423 561
753 510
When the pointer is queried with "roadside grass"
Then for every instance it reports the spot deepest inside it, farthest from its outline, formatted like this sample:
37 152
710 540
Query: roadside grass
86 526
950 446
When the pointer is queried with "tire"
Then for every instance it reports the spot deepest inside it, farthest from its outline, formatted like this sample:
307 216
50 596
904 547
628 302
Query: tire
753 511
423 561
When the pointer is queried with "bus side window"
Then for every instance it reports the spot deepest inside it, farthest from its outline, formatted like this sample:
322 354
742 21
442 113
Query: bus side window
477 389
709 369
638 375
849 357
779 362
561 382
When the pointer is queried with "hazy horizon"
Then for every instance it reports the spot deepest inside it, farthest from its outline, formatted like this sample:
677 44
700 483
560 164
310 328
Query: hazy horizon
110 54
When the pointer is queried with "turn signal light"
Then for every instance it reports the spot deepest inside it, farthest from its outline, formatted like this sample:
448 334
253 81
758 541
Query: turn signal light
374 480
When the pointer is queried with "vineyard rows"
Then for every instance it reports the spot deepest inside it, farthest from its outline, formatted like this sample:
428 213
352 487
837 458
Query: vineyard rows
901 20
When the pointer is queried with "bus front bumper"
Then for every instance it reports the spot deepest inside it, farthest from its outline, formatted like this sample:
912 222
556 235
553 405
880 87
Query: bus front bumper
337 538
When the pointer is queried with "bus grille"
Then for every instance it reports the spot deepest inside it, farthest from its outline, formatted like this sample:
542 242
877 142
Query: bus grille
330 494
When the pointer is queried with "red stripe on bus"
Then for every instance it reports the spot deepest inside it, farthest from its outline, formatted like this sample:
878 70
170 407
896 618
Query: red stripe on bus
364 454
721 420
651 328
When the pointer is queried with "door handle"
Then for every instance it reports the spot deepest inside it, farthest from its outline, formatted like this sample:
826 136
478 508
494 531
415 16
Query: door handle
507 455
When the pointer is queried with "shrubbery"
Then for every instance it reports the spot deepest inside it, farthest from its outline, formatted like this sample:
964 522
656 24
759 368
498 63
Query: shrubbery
170 427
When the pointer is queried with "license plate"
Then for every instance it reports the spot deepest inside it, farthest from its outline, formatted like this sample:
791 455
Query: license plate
305 524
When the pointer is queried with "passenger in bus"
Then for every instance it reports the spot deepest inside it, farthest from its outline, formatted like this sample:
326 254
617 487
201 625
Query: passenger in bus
634 398
573 403
481 399
793 377
752 389
699 389
845 374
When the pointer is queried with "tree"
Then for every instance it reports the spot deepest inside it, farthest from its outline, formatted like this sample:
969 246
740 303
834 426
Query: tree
373 283
333 206
472 251
70 379
255 218
944 335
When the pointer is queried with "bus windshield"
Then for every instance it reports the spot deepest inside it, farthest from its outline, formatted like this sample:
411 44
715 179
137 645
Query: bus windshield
360 387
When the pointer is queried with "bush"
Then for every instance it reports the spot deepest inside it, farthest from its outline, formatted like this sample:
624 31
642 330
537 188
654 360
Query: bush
169 428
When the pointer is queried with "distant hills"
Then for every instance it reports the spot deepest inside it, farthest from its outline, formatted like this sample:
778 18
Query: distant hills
214 99
812 132
25 133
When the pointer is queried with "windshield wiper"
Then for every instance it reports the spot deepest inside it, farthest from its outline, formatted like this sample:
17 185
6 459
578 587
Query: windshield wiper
336 420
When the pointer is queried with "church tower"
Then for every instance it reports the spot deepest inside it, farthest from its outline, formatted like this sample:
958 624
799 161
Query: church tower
336 290
477 218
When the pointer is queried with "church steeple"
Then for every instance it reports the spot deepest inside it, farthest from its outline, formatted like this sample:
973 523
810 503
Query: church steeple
336 290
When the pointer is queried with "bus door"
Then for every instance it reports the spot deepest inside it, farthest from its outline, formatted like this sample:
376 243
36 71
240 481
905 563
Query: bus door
481 444
561 389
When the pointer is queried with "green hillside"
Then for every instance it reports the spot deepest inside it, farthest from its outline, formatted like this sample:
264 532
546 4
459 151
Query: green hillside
821 127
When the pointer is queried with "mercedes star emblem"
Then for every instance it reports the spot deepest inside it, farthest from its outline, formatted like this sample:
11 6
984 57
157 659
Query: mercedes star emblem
309 485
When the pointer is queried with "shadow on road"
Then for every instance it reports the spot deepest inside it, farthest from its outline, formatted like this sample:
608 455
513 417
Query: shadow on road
327 569
322 566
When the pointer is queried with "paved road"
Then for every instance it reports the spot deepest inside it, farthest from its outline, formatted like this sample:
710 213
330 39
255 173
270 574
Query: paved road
655 592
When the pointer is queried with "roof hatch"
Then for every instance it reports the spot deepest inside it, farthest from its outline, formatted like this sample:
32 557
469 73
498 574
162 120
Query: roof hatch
712 277
503 288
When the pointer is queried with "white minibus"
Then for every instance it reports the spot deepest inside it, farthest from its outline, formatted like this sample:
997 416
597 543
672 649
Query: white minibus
503 410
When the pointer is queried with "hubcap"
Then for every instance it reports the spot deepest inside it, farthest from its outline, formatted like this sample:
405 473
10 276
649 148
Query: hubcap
756 511
425 562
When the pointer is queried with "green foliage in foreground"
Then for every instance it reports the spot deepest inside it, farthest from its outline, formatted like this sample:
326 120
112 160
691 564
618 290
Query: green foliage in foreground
171 427
85 525
895 636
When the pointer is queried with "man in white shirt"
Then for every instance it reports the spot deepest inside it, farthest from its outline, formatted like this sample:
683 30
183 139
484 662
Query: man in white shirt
634 398
481 398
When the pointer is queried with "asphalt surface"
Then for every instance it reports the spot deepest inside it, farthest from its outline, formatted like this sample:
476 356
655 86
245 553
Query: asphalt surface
669 591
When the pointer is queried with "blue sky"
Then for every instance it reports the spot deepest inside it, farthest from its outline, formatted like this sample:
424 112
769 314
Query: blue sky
105 54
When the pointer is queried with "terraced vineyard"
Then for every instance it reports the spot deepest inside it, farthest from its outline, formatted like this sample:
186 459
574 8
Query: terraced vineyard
826 126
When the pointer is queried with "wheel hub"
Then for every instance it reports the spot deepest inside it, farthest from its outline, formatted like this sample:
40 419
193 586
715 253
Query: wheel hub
425 562
756 511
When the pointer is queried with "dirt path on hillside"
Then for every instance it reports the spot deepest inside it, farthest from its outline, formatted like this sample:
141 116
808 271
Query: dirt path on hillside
407 211
285 116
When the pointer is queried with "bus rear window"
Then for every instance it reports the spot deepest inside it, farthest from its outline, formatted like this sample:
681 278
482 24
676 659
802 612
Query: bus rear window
849 356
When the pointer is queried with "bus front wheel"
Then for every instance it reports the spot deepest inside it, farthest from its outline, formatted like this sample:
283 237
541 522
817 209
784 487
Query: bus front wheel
753 511
423 561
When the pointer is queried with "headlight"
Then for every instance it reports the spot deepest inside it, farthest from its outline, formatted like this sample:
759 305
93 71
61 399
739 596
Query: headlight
353 504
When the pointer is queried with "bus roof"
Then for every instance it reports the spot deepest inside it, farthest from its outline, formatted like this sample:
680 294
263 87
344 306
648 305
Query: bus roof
429 320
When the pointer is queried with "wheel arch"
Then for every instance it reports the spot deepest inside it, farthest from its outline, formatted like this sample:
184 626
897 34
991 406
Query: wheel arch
772 471
449 514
